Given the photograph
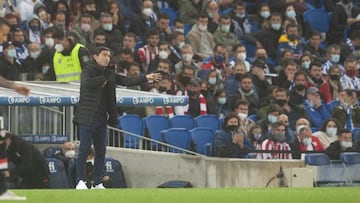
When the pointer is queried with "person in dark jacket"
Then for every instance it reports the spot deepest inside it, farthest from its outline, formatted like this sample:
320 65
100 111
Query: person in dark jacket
96 109
344 144
230 141
31 167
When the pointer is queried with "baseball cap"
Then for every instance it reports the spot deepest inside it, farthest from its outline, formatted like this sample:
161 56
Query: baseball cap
312 90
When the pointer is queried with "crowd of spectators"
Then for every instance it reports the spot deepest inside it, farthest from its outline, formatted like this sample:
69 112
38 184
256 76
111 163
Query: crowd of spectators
230 57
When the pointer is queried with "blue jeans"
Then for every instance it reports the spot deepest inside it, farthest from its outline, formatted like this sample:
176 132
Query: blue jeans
94 132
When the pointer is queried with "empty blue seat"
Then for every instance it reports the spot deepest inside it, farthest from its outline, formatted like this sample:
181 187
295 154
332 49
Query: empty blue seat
331 105
134 124
203 140
155 124
114 170
178 137
318 19
58 176
351 161
182 121
207 121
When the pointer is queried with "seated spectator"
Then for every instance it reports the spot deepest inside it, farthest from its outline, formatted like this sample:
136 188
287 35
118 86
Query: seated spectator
246 91
229 141
241 107
212 10
348 112
187 59
150 50
260 82
316 110
290 40
200 39
286 75
333 78
328 132
67 153
316 79
32 63
351 45
344 144
182 79
350 79
261 20
239 56
218 62
313 47
256 136
272 117
197 102
297 94
332 58
232 82
223 35
276 143
289 134
218 104
214 82
305 143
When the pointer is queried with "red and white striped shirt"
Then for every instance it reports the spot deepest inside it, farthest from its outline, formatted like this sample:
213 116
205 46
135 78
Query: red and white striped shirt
182 110
146 56
276 146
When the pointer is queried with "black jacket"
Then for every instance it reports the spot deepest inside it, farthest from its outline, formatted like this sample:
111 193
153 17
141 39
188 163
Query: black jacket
93 78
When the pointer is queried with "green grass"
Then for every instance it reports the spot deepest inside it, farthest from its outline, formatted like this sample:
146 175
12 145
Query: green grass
231 195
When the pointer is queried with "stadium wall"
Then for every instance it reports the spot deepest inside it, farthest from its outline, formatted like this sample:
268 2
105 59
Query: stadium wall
147 169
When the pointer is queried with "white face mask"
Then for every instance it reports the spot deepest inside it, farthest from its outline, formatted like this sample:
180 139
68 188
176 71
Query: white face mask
70 154
108 26
59 47
92 161
179 30
163 54
331 131
181 44
147 12
241 56
187 57
346 144
307 141
242 116
202 27
49 42
44 69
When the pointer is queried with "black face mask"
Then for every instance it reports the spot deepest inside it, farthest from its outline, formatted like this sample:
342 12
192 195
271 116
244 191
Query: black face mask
281 102
334 77
292 37
317 80
204 93
232 128
300 87
162 89
185 80
238 76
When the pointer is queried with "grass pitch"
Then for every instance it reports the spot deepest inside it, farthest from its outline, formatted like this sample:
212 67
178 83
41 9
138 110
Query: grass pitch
231 195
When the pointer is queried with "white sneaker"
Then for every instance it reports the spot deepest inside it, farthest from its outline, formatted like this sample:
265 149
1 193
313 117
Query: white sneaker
8 195
81 185
99 186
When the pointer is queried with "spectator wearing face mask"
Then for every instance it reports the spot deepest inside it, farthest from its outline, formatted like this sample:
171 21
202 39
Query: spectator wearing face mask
9 67
223 35
34 28
348 112
218 104
67 153
229 141
350 79
305 142
276 143
332 58
344 144
328 133
32 64
256 136
272 116
241 108
316 109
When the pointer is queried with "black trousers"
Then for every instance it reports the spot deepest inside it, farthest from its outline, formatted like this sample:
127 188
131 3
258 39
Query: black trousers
2 176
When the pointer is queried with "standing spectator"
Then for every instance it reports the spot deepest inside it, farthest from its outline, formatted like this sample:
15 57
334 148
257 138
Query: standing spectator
229 142
328 132
276 142
118 18
9 67
97 89
200 38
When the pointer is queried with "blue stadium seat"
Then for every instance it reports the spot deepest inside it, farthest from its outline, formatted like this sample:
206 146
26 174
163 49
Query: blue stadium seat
331 105
328 173
58 176
207 121
351 161
203 140
203 73
318 19
172 13
314 129
155 124
182 121
355 132
178 137
114 170
187 28
134 124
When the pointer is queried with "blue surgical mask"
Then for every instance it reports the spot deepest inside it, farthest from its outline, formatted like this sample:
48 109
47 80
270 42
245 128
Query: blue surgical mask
276 26
346 105
331 132
346 144
335 58
35 55
108 26
11 53
307 141
240 15
222 100
272 119
210 15
291 14
265 14
305 64
219 59
212 81
257 136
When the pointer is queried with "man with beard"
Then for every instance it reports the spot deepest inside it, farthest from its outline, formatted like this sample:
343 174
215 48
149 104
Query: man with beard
316 79
297 94
290 40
